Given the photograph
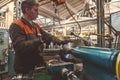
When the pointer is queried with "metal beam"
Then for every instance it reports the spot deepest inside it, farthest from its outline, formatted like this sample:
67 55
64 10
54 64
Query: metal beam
71 7
4 2
45 12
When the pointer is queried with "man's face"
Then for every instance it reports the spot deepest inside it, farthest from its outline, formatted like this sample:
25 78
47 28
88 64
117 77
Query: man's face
33 12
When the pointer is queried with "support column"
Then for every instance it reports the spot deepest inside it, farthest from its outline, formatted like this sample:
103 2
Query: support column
9 14
18 9
100 23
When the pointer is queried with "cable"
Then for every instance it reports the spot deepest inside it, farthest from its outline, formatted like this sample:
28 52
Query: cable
118 42
115 42
73 17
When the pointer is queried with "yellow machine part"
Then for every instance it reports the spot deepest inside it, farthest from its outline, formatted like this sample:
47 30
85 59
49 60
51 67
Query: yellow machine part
118 67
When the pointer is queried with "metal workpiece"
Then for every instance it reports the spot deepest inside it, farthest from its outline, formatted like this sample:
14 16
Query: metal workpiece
68 75
51 52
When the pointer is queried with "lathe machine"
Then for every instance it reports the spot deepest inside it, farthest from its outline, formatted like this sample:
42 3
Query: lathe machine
98 63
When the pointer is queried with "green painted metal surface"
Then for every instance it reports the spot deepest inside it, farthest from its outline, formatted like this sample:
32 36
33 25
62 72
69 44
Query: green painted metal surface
11 62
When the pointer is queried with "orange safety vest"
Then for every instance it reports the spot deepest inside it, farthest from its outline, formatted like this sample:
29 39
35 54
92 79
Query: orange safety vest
27 28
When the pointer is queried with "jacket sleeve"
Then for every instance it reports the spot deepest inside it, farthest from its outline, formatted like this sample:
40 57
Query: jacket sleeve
20 42
47 38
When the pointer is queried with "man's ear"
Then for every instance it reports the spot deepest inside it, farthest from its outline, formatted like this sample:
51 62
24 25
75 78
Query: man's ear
27 9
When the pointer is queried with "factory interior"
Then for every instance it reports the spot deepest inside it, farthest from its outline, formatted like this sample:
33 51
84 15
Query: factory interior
91 29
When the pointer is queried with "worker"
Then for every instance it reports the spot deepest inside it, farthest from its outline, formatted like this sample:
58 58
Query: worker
28 38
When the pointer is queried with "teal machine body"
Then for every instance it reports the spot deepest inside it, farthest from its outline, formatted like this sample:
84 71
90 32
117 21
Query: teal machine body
99 63
6 55
4 38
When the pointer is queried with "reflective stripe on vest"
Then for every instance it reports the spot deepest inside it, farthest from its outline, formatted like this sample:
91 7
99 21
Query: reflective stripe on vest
26 28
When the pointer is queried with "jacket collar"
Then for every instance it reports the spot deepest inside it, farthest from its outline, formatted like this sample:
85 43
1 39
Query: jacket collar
27 23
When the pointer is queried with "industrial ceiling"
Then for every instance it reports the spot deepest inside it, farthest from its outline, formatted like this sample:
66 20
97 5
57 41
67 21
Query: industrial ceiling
61 12
74 7
70 7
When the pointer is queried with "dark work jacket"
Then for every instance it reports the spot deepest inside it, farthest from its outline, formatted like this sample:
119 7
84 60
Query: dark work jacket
26 43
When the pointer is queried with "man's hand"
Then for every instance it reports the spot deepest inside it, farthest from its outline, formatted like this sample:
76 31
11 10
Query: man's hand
64 42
